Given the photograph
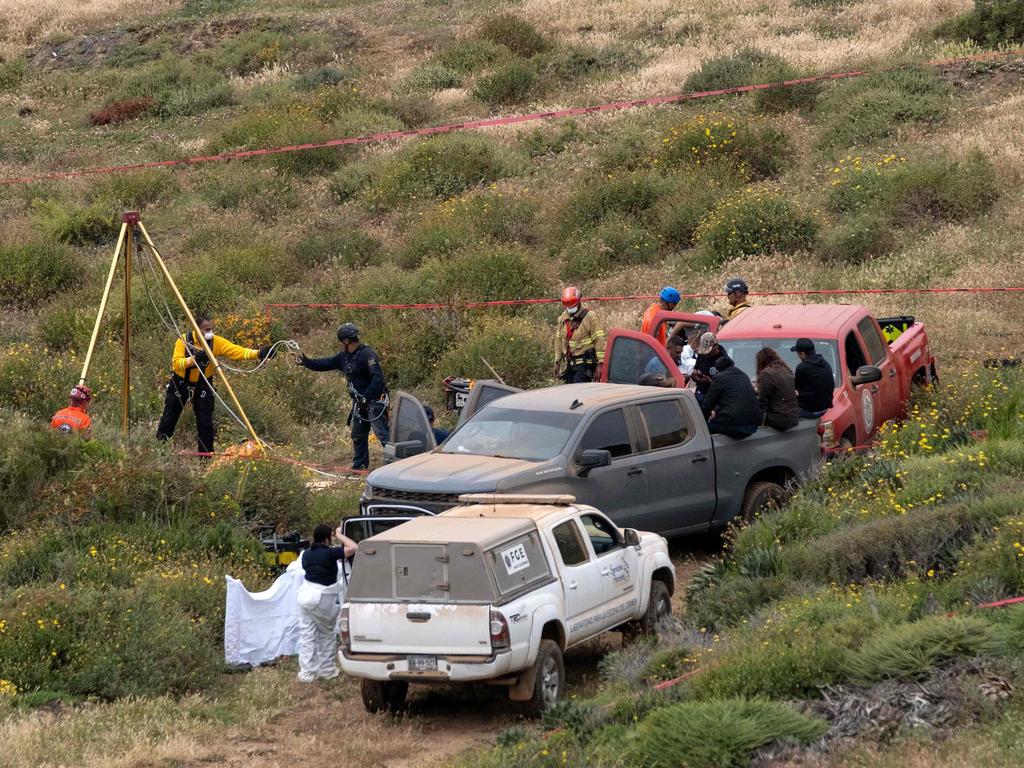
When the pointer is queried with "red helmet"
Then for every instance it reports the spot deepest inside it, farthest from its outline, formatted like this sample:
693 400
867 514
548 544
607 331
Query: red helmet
80 393
571 297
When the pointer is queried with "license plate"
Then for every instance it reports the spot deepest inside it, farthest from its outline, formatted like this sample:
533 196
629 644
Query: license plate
423 663
460 399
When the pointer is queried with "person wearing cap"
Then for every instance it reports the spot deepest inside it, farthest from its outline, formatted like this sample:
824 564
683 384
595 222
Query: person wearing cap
74 419
440 435
667 301
579 340
730 405
192 379
708 351
366 386
736 291
815 381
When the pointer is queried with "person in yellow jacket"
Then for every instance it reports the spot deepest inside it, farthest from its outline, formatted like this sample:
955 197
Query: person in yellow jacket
186 384
579 343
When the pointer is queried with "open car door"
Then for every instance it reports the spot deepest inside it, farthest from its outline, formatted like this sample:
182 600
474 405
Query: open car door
410 430
691 323
630 355
484 392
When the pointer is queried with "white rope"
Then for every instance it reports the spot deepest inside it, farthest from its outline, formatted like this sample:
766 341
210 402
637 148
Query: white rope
291 344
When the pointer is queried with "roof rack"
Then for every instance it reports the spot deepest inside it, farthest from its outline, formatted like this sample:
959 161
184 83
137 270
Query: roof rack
557 500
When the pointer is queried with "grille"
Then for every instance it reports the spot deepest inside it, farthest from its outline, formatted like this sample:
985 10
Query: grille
415 497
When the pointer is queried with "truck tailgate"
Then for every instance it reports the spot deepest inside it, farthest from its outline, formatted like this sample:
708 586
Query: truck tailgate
427 628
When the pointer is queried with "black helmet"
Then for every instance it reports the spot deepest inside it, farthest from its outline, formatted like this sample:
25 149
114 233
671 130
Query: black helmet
736 284
348 331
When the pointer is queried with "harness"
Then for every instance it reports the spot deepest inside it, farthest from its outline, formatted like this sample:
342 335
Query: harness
572 325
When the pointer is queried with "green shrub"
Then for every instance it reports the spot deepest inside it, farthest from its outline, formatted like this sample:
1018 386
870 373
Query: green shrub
206 287
11 74
517 349
869 109
617 242
322 76
178 86
518 36
351 180
285 129
680 213
755 220
632 195
251 51
480 274
433 77
912 192
442 167
132 191
750 66
509 83
32 272
65 327
259 266
72 224
267 492
265 193
717 733
576 63
469 56
990 23
913 651
733 598
436 240
347 247
545 141
754 152
859 238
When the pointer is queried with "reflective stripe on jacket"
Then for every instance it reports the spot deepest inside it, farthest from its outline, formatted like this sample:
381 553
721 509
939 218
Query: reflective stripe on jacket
587 335
221 348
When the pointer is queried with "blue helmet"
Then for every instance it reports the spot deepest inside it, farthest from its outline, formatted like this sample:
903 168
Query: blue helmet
669 294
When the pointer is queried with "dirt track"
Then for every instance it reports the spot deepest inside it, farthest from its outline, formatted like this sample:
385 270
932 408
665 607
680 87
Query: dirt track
331 725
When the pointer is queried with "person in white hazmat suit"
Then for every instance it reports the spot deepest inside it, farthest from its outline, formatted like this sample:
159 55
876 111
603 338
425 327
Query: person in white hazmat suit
320 602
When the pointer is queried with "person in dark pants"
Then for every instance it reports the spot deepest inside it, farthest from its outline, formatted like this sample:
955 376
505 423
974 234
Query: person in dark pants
815 381
440 435
730 406
776 392
366 386
579 341
188 360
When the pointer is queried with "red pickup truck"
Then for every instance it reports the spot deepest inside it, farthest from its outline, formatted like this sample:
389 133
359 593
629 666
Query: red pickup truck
876 361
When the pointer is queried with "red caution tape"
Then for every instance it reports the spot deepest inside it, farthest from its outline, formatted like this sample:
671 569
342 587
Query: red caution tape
489 122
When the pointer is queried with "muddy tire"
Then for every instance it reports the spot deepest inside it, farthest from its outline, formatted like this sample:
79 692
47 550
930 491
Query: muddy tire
549 679
658 619
383 695
759 497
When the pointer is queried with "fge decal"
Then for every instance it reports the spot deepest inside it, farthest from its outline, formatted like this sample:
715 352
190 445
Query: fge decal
515 559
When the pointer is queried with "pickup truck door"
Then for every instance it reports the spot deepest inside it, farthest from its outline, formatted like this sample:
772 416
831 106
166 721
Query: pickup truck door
483 393
889 397
582 583
680 465
692 322
631 354
619 489
409 423
618 567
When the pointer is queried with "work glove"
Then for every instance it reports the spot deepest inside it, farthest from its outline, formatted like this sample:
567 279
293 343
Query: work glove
202 360
301 359
266 351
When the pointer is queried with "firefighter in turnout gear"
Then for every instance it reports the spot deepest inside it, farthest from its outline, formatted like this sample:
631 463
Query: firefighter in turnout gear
579 343
188 360
366 387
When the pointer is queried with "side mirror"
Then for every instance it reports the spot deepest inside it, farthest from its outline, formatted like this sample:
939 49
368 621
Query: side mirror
866 374
403 449
631 536
592 458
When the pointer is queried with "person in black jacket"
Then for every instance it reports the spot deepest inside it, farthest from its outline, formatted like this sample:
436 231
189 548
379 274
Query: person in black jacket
730 405
366 387
776 391
815 382
708 351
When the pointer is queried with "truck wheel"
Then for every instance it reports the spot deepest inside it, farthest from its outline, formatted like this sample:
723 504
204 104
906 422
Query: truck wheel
658 619
383 695
549 679
759 497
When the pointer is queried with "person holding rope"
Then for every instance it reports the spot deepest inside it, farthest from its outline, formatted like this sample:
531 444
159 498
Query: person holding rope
191 379
579 344
366 387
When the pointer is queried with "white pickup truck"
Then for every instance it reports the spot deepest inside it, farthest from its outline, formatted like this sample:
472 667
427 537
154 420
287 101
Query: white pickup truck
495 592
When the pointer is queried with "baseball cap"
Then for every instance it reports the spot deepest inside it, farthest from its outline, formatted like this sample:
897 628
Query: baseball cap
802 345
707 342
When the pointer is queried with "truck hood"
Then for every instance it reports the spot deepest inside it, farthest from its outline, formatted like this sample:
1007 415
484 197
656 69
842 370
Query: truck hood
451 473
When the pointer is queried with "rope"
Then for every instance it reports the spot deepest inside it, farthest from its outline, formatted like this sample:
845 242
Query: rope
291 344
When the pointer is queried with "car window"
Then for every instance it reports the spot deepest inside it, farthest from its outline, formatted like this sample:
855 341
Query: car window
518 563
666 424
744 353
608 433
876 344
602 534
629 360
854 354
514 434
570 545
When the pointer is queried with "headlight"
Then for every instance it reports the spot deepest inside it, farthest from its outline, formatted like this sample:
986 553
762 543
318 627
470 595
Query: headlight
367 492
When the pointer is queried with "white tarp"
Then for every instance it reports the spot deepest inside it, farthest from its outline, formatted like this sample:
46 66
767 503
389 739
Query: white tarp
260 626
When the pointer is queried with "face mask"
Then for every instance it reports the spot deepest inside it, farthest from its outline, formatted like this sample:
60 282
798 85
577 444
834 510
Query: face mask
208 335
573 310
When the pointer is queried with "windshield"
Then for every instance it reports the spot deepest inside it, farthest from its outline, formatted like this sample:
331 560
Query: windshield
513 434
744 351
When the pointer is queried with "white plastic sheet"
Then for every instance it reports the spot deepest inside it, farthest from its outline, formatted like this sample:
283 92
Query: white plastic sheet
260 626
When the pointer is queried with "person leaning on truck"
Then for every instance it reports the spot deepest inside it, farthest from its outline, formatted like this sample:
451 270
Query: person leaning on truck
319 603
815 381
730 406
736 294
776 391
579 343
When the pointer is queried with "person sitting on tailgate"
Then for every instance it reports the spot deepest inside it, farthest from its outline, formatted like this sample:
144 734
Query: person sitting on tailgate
74 419
730 405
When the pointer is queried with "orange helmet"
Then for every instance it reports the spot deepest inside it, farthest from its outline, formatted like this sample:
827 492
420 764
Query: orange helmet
571 297
80 394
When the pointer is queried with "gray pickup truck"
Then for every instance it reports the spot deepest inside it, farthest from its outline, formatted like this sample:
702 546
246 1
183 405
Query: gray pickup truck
643 454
